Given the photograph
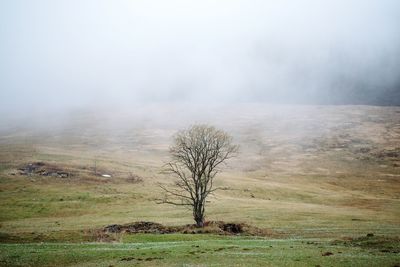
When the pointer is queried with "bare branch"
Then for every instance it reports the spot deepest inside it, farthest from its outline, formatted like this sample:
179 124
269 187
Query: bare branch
196 155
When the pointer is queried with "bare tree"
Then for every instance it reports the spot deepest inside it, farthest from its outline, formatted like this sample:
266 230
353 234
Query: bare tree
197 154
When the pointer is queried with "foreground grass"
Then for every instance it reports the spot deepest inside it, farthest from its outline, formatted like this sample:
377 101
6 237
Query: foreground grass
309 176
204 250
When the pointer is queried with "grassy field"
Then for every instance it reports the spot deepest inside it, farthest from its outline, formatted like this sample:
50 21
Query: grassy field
198 250
310 175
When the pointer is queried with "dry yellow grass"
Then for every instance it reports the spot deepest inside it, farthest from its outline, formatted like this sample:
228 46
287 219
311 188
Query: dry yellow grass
302 170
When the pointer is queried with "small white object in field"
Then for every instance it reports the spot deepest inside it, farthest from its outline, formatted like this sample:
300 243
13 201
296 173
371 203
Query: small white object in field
106 175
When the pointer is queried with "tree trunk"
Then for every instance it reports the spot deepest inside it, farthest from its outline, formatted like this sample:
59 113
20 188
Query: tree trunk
198 214
199 221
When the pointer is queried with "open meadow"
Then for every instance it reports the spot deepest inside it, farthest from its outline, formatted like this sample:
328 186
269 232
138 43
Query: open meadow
315 180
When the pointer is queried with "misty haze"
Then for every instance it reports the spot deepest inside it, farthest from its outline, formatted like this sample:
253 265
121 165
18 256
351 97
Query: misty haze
199 133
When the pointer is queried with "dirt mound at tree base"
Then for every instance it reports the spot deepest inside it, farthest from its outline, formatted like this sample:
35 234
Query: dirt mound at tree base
138 227
211 227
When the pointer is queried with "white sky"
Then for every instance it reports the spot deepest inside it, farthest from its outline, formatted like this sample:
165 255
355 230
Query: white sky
74 53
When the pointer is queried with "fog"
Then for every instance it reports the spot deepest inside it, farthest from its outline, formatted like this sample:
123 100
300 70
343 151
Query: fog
67 55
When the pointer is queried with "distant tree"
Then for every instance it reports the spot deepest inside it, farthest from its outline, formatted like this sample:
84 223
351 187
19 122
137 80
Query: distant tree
197 154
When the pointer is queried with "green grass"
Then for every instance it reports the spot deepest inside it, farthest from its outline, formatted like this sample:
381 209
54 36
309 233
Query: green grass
195 250
300 177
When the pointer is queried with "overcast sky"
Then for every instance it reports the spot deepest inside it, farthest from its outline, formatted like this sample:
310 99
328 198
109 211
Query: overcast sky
68 54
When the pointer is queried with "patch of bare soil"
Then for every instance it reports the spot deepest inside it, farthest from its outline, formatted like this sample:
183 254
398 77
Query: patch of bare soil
44 169
134 178
81 173
214 227
328 253
392 154
139 227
